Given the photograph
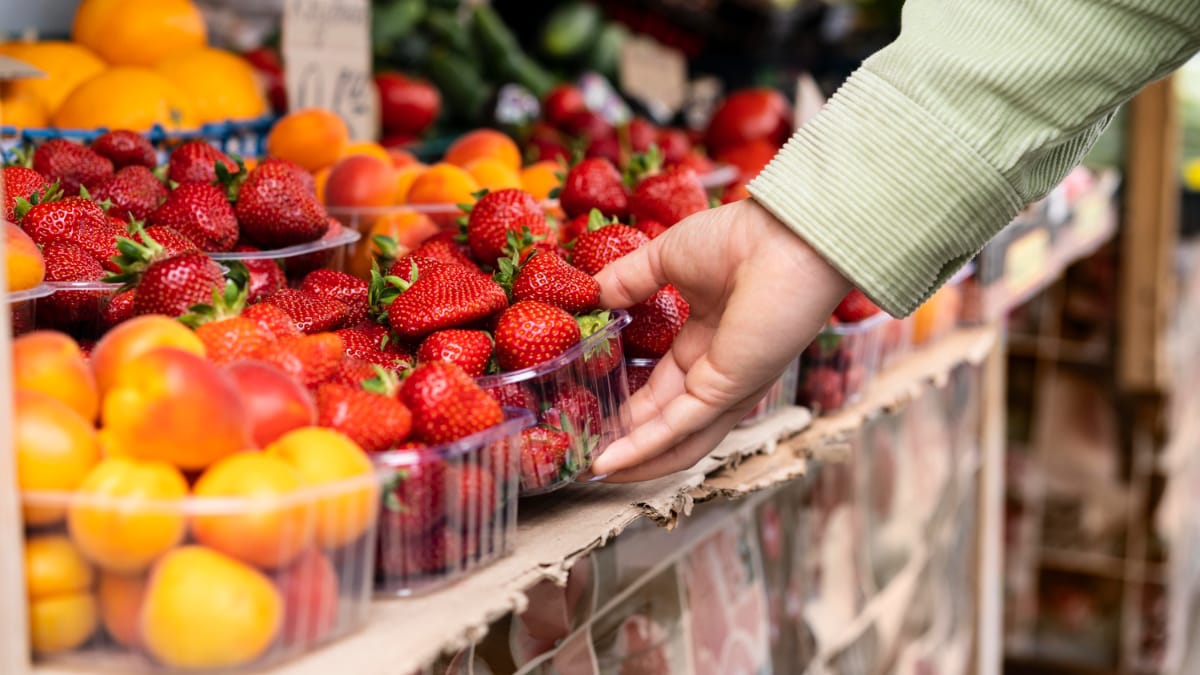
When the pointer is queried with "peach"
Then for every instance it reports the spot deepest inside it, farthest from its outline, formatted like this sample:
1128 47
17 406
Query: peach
53 364
361 181
275 402
401 158
135 337
172 405
22 260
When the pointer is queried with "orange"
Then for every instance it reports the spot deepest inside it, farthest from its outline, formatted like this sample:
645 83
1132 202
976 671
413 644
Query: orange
205 610
138 32
23 111
492 174
61 623
484 143
128 512
405 176
126 98
408 228
58 582
23 262
366 148
443 184
66 64
120 600
51 363
135 337
222 85
269 526
541 178
326 457
313 138
55 448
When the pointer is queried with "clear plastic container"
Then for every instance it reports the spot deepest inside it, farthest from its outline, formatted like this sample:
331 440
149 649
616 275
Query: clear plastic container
449 509
839 363
76 308
297 261
896 341
446 215
22 306
782 393
202 584
581 393
722 176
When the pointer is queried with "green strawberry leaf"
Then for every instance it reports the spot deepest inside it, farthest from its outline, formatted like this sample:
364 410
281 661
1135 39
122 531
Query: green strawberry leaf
596 220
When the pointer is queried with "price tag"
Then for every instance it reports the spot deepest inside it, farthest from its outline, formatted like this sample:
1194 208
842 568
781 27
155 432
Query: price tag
327 61
654 74
1025 261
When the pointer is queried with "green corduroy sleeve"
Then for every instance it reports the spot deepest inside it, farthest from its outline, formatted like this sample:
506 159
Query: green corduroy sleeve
979 108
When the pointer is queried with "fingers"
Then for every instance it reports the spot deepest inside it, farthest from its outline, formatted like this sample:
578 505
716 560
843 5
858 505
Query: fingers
633 278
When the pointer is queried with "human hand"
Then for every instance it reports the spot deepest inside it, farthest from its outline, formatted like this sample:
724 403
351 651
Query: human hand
758 293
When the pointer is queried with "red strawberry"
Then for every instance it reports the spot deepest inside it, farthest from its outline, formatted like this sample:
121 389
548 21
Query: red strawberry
655 324
547 278
855 307
594 184
374 421
469 349
445 248
561 102
642 134
477 499
19 182
234 338
68 262
71 164
543 454
59 219
574 228
604 147
311 313
352 373
415 498
515 396
603 244
276 209
639 373
196 162
446 403
650 228
442 296
101 241
432 553
170 239
310 183
273 319
126 148
823 388
201 213
674 145
311 359
266 276
575 410
361 344
531 332
133 190
499 213
696 162
668 197
602 355
347 289
172 285
117 309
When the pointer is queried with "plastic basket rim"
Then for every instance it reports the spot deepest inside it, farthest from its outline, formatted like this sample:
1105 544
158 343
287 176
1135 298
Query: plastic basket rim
618 321
345 237
439 208
42 290
858 327
515 421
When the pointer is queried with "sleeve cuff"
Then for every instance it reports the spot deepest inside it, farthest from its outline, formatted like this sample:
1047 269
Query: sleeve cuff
885 193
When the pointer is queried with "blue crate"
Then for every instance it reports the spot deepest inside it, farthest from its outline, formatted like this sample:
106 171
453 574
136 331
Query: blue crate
246 138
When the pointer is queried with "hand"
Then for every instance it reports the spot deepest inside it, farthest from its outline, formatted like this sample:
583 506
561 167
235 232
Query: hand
759 294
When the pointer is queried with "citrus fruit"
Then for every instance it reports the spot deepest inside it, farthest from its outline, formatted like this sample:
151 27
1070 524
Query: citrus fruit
128 512
126 98
327 458
23 111
205 610
51 363
56 449
313 138
58 582
541 178
443 184
267 525
138 32
132 338
492 174
482 143
66 65
61 623
221 85
120 599
23 263
408 228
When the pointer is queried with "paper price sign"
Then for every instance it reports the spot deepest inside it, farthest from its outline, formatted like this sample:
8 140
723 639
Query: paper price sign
327 60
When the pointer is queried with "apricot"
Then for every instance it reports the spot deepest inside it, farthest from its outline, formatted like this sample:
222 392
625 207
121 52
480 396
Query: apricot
58 582
541 178
23 263
493 174
481 143
132 338
408 228
172 405
55 450
53 364
313 138
274 401
120 597
361 181
405 176
443 184
61 623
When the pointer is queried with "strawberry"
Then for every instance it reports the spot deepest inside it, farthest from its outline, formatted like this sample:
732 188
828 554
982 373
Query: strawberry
694 161
855 307
266 276
234 338
117 309
561 102
71 164
431 553
375 421
543 454
605 147
126 148
547 278
347 289
414 500
440 296
276 209
173 284
310 183
444 247
674 145
469 349
642 134
499 213
196 162
515 395
477 499
273 319
446 403
201 213
604 243
823 388
352 372
68 262
532 332
365 346
19 182
311 359
575 410
655 324
311 313
58 219
650 228
639 373
594 184
169 239
101 241
603 355
134 192
668 197
574 228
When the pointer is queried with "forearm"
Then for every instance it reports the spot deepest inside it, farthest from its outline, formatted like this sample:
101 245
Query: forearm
979 108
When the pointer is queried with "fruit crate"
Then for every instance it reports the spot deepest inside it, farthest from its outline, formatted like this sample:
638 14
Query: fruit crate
135 583
449 509
781 394
579 398
839 363
22 307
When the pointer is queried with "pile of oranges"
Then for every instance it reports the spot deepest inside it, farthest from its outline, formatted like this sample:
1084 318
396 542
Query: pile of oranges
155 522
131 64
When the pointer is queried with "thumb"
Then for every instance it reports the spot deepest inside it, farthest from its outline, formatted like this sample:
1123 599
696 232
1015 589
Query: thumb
632 278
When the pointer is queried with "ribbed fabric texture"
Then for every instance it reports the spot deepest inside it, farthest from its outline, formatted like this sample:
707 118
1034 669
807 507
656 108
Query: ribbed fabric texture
937 141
